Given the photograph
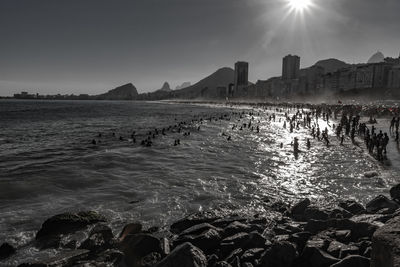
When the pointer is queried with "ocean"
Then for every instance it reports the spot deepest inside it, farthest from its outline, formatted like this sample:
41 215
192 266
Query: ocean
48 164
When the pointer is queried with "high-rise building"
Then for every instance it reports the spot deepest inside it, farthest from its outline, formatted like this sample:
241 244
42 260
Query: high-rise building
241 75
291 67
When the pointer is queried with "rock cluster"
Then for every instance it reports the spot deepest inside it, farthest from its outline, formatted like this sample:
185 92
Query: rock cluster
299 235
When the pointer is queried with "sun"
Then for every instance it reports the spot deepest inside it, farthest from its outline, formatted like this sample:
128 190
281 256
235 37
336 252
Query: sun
299 5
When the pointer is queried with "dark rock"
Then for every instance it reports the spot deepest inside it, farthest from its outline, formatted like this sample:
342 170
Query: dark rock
63 258
367 252
235 262
281 230
339 213
315 226
190 221
212 259
207 241
255 240
252 255
226 248
315 257
184 255
381 202
293 227
297 211
352 261
349 250
100 238
67 223
343 236
224 222
222 264
236 253
111 257
352 206
150 259
130 229
317 242
6 250
386 245
358 229
374 219
335 248
395 192
236 227
279 254
137 247
300 239
315 213
153 229
237 239
199 228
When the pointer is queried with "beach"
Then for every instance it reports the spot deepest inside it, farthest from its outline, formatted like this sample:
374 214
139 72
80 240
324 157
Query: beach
54 167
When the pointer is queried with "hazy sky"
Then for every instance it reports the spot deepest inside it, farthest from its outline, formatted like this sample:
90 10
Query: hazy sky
90 46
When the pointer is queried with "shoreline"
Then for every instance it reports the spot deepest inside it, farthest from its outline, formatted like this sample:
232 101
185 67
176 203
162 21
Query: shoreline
288 234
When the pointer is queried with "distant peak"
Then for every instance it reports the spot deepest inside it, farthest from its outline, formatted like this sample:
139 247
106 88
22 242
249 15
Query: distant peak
165 87
378 57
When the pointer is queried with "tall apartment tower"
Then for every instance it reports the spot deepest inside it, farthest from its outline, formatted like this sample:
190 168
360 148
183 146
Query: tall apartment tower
241 74
291 67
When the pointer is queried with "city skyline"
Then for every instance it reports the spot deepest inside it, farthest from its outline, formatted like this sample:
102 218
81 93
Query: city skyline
59 57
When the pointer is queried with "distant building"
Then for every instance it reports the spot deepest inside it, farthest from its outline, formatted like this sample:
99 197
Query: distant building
394 77
241 79
291 67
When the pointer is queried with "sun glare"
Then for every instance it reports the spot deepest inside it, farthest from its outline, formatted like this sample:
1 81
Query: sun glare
299 5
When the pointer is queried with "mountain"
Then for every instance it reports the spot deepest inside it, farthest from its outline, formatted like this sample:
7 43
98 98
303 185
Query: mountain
125 92
331 65
165 88
378 57
208 87
183 85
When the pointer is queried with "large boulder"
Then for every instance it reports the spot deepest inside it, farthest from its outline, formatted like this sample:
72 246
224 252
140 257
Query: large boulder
280 254
352 261
313 256
191 220
315 213
357 229
395 192
184 255
386 245
140 248
236 227
352 206
67 223
381 202
100 238
297 211
207 241
130 229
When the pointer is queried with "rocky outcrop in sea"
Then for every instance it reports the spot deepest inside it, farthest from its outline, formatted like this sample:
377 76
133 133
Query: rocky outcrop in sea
303 234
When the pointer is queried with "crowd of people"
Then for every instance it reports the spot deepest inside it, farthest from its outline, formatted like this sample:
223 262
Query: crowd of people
293 117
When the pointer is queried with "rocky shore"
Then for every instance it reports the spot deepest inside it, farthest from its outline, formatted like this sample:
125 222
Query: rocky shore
303 234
